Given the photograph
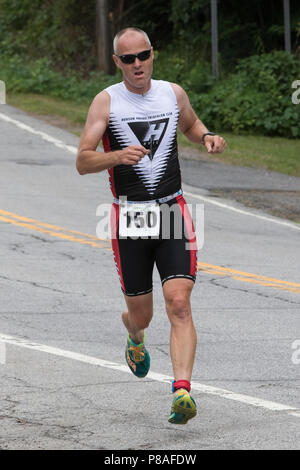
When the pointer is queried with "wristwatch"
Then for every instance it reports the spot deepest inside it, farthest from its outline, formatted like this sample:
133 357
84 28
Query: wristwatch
206 133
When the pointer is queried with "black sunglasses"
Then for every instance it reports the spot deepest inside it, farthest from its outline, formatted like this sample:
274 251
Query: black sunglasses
130 58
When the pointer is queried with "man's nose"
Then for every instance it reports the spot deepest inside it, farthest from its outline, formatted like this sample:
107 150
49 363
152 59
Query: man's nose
137 62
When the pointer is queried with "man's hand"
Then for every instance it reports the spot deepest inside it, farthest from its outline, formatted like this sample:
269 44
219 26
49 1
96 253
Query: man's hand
214 143
132 155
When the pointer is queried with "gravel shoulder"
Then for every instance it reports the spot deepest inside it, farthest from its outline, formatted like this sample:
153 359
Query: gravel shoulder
275 193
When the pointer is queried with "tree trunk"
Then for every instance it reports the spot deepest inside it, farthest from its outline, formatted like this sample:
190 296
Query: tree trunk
104 38
214 38
287 25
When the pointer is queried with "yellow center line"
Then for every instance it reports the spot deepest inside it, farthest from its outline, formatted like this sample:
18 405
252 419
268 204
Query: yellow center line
64 236
265 283
43 224
283 285
86 239
225 271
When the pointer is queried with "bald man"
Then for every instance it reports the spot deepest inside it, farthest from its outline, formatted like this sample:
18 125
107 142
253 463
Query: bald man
137 121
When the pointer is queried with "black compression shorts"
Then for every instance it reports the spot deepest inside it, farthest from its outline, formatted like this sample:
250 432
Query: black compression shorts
174 257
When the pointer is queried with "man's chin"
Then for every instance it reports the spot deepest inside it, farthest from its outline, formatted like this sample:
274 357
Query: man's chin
140 84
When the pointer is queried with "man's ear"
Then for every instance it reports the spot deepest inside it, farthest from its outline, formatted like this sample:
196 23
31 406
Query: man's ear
116 60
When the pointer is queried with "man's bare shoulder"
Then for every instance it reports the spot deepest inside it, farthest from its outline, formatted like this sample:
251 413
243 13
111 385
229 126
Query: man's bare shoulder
178 89
182 98
101 99
100 107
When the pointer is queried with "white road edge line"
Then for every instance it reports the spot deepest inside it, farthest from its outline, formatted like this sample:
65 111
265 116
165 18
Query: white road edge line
206 389
241 211
58 143
48 138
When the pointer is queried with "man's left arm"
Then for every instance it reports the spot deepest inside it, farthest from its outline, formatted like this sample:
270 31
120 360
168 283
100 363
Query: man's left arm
191 126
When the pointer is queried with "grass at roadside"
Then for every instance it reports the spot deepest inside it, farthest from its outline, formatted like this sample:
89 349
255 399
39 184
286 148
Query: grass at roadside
271 153
67 114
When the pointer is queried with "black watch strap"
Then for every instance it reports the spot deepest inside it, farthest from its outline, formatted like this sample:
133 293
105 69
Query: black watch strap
203 137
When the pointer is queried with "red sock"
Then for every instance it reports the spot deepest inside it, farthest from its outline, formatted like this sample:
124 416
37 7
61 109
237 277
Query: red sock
176 384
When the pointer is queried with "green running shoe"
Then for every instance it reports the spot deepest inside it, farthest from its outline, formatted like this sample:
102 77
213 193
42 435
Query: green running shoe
183 407
137 358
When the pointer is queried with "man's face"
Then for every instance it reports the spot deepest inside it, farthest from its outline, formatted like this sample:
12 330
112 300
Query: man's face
136 76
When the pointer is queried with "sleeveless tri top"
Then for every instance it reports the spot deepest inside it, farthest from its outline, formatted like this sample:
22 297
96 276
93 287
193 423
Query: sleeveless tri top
149 120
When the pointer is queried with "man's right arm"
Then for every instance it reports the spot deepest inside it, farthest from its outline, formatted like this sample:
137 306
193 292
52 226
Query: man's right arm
89 160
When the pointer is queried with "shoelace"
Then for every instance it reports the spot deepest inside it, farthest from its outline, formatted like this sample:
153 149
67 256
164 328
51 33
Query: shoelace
138 353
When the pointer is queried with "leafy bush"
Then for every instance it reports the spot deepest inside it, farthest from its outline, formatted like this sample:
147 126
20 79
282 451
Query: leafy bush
39 77
256 97
62 30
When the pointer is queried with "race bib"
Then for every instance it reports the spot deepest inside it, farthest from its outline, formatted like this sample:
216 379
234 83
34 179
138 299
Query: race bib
139 220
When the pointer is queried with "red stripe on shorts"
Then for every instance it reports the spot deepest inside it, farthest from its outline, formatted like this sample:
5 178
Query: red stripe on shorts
114 224
191 234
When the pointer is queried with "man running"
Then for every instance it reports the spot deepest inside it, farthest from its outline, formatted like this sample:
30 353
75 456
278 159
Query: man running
137 121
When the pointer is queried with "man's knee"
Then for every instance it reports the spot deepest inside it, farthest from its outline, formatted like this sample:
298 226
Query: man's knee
178 307
140 318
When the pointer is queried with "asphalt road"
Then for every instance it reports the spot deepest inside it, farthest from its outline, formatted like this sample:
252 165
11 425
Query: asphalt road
64 381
